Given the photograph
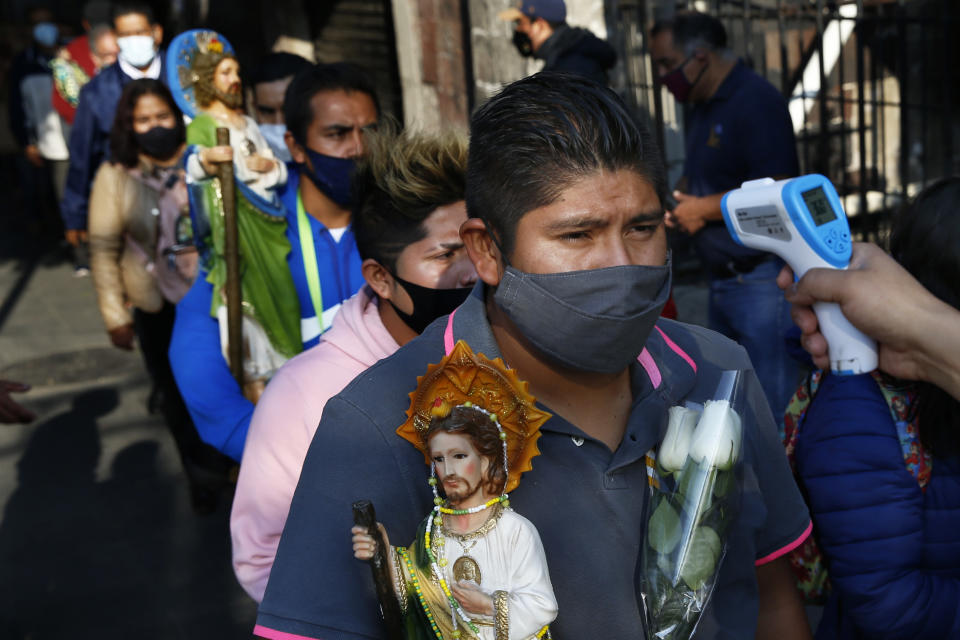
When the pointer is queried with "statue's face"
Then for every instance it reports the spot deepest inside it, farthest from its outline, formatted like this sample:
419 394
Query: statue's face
226 77
460 469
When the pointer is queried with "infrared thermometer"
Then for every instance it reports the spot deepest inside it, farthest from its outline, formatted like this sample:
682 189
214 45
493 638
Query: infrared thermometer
802 221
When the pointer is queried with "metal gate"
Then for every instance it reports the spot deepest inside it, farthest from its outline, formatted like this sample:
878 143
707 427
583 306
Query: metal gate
871 87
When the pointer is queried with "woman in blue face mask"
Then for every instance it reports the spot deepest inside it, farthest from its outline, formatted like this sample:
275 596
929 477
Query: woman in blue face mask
141 251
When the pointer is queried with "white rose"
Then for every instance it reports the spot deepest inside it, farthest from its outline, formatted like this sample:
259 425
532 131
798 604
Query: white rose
716 440
676 443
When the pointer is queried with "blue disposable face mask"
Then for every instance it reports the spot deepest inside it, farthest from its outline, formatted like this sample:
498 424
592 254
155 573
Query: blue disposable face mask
46 34
331 175
273 134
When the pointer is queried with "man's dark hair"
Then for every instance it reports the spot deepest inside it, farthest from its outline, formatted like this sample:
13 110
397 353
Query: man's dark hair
925 240
483 433
399 183
338 76
126 8
539 135
123 142
277 66
692 29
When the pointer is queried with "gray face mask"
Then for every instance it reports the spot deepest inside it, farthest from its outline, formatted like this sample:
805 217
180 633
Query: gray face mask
596 320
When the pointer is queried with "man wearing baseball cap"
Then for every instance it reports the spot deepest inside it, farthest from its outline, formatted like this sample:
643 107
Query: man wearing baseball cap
541 31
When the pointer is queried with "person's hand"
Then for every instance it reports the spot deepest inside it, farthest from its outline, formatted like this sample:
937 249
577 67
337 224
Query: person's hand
10 411
364 546
122 337
472 598
877 296
75 236
689 215
212 156
259 163
32 152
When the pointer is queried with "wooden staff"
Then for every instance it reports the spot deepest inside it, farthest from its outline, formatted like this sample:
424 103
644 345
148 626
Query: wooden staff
231 251
365 516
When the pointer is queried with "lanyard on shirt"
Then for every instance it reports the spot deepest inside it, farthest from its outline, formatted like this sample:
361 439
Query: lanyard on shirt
309 259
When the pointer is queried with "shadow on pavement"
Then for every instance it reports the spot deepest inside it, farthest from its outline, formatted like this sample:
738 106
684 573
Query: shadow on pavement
117 557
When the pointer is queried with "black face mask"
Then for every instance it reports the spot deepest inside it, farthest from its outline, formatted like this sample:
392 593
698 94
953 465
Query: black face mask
428 304
523 43
160 142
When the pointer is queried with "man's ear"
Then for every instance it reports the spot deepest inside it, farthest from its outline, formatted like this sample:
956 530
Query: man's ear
157 34
377 276
297 154
482 250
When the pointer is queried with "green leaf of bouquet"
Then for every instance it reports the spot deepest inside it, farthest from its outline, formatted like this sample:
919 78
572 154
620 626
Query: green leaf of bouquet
726 481
701 559
663 530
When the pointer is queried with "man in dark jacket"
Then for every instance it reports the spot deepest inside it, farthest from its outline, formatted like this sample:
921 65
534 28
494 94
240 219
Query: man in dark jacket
541 31
138 37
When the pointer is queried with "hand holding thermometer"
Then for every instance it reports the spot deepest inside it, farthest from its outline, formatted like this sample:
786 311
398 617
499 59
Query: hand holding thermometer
802 221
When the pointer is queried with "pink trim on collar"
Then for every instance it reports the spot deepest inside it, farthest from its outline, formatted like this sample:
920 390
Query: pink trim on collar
676 349
646 361
448 342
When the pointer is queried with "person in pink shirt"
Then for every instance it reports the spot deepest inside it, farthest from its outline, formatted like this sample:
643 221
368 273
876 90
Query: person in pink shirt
409 208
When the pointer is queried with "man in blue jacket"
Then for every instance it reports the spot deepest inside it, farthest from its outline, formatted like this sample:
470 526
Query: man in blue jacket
327 109
138 37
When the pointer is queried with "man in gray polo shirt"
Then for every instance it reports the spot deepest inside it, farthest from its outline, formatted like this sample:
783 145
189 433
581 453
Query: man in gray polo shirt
565 192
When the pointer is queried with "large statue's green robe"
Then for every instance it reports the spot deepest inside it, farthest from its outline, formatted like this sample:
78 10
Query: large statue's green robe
268 291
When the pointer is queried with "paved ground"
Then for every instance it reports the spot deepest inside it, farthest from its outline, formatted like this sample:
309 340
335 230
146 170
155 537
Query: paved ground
97 537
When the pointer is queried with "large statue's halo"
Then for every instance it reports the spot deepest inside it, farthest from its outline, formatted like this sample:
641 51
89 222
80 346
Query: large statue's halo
179 58
463 376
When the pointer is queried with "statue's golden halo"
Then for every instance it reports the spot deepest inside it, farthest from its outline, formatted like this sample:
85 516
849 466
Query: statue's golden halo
463 376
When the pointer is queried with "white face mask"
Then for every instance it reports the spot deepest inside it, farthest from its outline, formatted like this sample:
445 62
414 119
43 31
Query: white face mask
273 134
138 51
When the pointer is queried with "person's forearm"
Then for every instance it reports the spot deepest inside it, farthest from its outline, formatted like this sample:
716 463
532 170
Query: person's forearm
781 615
938 332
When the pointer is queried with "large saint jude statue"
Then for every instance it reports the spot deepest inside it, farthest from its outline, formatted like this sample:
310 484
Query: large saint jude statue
209 89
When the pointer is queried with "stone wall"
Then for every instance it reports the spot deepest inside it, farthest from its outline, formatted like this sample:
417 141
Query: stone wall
432 63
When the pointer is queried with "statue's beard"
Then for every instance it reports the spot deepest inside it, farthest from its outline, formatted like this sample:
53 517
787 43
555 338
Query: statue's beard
230 99
463 492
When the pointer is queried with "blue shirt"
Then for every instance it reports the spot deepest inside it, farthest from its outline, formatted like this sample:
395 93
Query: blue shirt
216 403
742 133
586 501
338 264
